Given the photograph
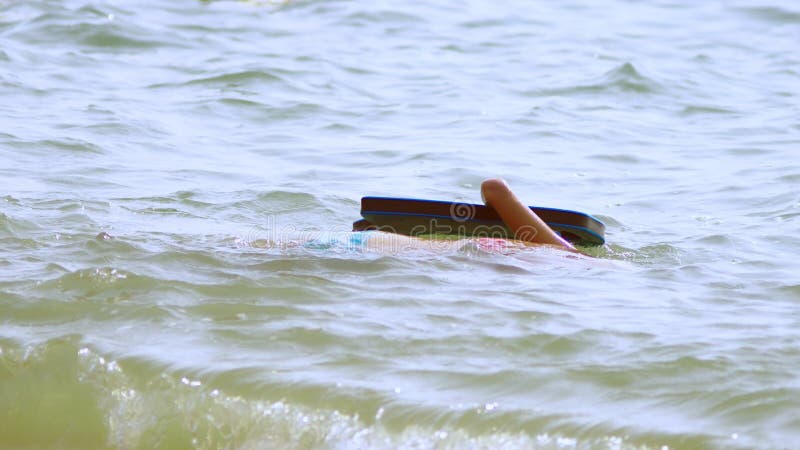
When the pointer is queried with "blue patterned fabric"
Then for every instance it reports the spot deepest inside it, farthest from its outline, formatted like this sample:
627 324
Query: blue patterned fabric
354 241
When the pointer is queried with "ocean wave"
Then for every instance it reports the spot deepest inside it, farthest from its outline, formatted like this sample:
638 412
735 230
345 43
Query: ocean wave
132 403
624 78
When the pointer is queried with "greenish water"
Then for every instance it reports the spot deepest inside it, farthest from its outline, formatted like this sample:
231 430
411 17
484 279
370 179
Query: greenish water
147 149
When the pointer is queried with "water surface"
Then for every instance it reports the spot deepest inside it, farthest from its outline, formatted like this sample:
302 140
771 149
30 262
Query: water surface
147 149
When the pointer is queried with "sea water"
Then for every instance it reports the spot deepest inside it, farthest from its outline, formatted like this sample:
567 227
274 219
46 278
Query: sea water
148 149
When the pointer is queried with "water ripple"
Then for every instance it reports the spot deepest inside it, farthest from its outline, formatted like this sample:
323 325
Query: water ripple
152 154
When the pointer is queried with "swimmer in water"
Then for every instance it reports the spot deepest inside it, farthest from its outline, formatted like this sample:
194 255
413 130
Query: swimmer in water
528 230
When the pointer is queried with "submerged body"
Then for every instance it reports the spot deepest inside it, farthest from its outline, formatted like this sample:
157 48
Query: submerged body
391 243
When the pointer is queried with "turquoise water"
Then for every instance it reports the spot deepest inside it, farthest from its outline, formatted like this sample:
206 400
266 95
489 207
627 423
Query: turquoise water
149 149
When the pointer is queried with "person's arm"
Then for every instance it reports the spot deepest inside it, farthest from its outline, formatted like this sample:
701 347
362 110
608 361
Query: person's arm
523 222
